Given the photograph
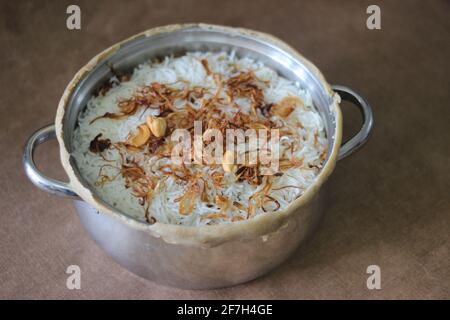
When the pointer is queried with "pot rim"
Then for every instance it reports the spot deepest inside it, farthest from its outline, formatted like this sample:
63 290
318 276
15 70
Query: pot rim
210 235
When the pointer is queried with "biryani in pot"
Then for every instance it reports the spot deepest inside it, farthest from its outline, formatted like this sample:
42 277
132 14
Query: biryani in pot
124 149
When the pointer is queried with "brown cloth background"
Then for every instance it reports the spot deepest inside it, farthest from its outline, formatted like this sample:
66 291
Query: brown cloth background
389 203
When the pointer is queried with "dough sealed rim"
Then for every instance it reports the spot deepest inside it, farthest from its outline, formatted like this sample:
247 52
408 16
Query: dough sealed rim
210 235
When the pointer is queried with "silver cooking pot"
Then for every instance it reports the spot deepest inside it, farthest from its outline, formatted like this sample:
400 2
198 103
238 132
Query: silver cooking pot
208 256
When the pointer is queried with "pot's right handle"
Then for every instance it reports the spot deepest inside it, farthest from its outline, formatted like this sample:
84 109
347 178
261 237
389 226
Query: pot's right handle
363 135
38 178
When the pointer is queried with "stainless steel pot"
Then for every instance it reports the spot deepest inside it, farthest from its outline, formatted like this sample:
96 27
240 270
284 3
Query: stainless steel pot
208 256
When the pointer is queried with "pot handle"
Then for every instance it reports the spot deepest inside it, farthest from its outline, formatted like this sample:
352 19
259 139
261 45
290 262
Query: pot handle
36 177
363 135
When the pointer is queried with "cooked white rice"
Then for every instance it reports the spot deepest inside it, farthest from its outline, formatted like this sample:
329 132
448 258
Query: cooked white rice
308 144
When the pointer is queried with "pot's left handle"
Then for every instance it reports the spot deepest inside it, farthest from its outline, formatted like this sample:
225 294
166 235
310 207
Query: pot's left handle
38 178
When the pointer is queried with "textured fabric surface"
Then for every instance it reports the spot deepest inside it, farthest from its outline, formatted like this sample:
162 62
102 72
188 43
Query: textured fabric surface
388 204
